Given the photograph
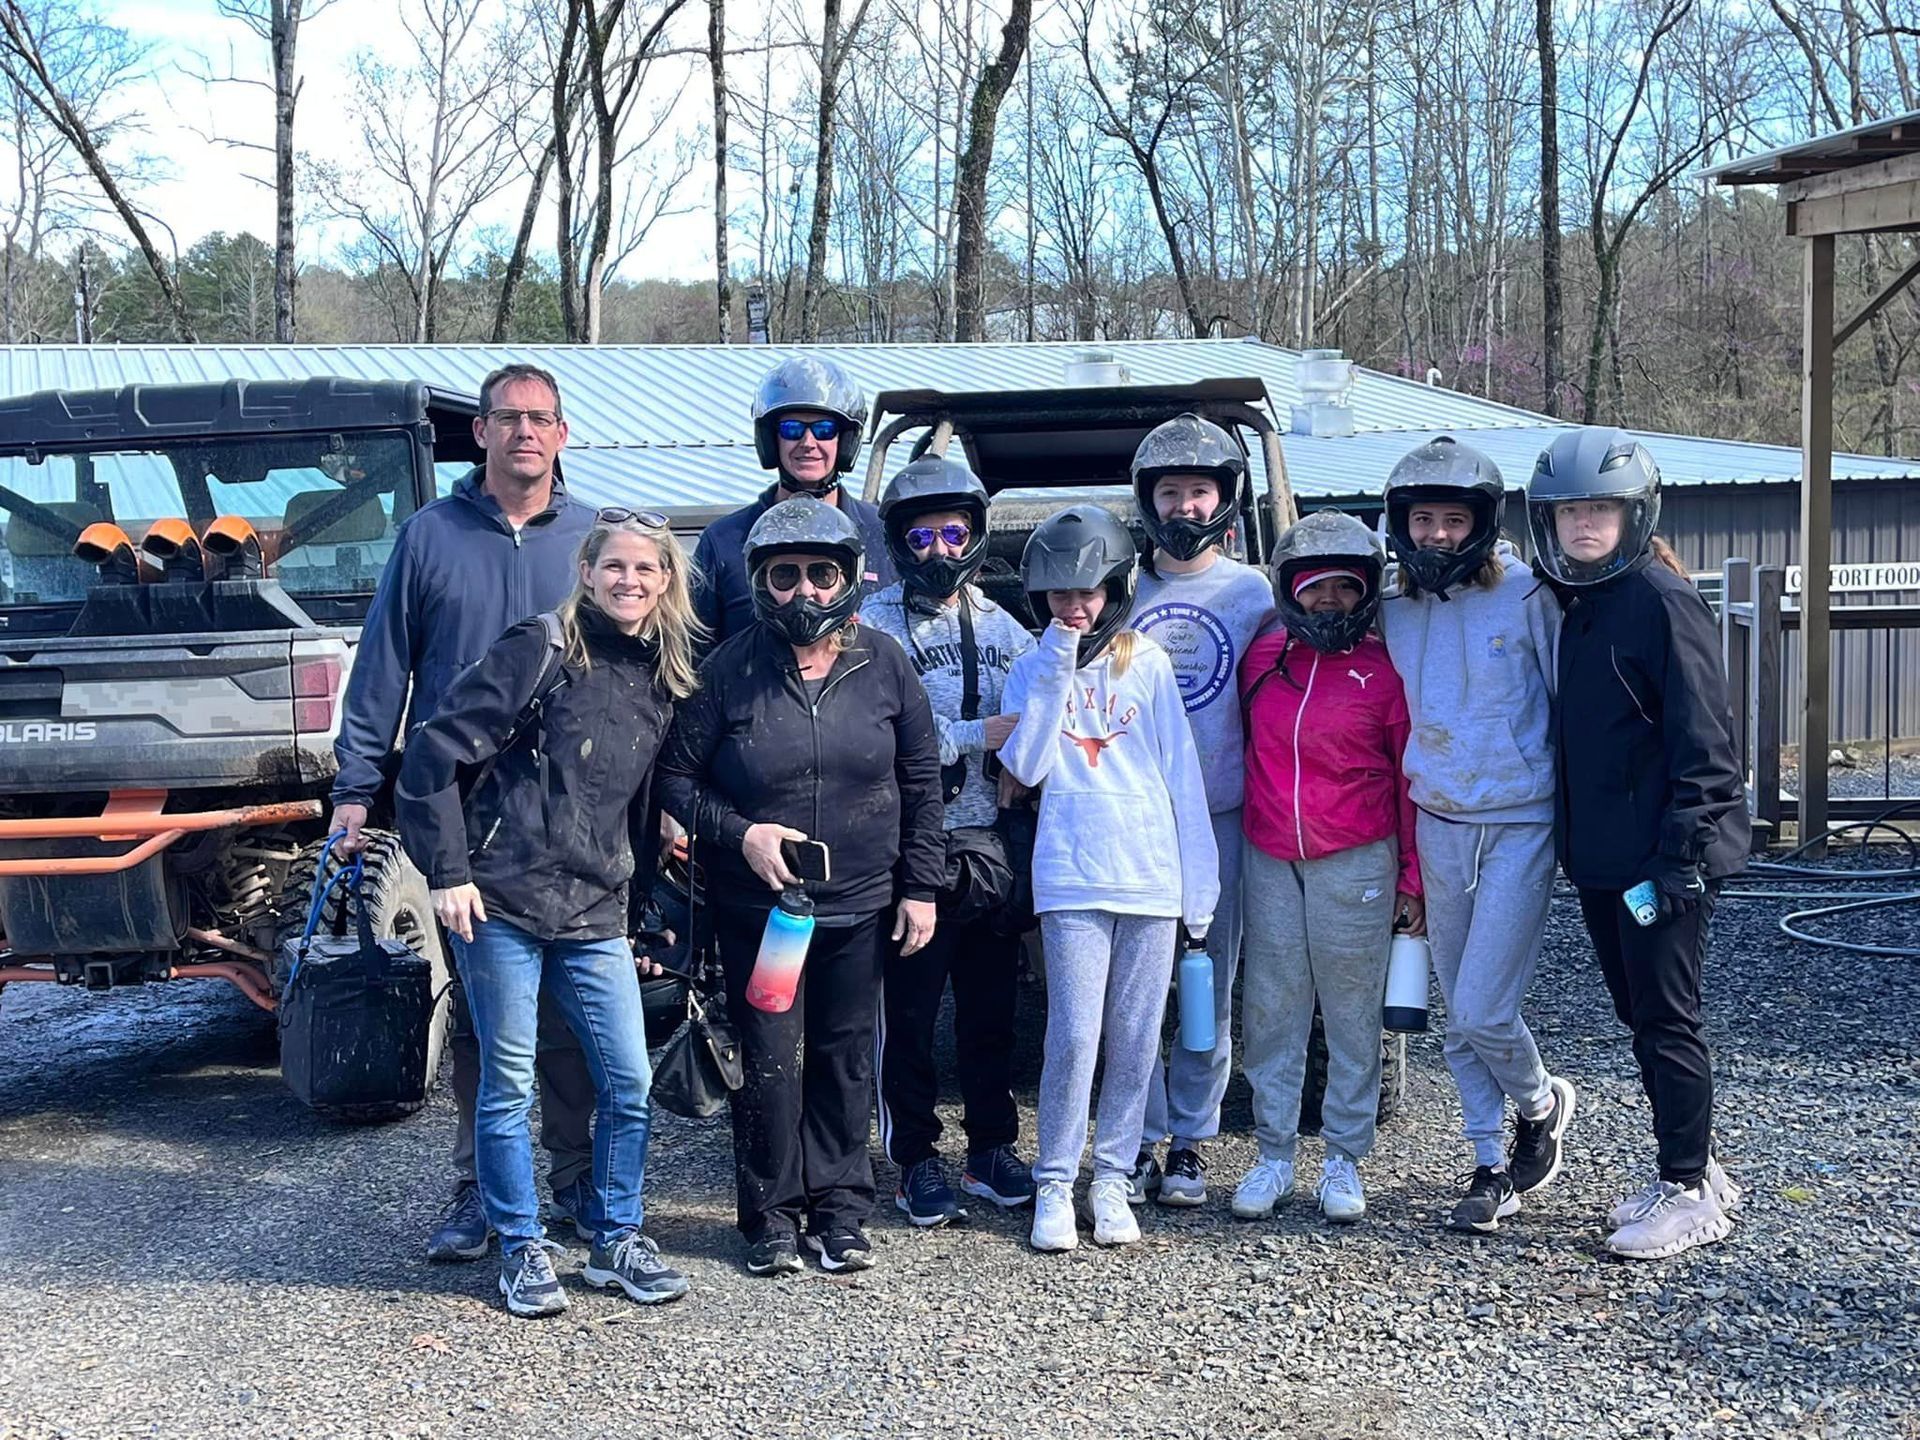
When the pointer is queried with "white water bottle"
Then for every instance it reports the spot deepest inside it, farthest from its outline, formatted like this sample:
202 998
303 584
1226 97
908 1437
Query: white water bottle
1408 962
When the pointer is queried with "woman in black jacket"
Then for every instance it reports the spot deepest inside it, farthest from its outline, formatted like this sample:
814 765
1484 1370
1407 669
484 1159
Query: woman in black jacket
1651 812
809 726
525 801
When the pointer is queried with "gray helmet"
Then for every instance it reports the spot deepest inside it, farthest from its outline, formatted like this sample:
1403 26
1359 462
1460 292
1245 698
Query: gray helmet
1593 463
1189 445
1444 470
1082 547
934 483
805 526
809 382
1327 540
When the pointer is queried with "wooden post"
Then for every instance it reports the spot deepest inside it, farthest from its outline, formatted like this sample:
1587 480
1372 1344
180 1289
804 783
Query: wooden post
1736 592
1816 534
1763 694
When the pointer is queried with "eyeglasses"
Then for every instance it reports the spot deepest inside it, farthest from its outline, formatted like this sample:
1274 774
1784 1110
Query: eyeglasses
824 429
510 419
614 515
921 537
785 574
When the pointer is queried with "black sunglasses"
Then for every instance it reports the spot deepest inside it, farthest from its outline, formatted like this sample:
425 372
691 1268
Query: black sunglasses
785 574
614 515
824 429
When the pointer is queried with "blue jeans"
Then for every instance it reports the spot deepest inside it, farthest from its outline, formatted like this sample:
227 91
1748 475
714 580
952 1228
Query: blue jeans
594 984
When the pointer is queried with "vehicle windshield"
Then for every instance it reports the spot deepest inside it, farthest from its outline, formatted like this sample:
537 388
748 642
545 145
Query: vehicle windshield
325 507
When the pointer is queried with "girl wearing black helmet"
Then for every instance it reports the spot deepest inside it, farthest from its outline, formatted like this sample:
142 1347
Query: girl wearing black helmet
1330 864
962 646
1203 608
809 726
1124 853
1654 815
1472 635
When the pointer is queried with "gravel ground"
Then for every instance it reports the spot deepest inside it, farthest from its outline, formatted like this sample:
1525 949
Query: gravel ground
192 1255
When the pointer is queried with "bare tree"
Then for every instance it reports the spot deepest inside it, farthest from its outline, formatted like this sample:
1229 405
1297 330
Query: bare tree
970 183
1551 356
42 47
835 42
717 64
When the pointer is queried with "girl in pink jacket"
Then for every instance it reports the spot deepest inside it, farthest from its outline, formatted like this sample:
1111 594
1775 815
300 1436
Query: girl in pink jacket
1330 864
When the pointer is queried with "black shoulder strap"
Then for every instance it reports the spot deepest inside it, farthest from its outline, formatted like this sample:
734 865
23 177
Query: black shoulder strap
552 677
969 663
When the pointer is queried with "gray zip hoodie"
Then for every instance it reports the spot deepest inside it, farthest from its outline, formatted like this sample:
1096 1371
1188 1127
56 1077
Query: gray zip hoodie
931 639
1478 669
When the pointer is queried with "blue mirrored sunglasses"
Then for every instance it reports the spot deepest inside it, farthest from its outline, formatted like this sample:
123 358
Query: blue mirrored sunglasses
823 429
921 537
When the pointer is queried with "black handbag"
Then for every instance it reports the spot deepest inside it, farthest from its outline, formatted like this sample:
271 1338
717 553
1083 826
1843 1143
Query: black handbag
979 881
701 1066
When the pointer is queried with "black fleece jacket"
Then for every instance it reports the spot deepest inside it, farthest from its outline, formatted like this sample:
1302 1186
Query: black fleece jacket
860 771
1649 778
551 837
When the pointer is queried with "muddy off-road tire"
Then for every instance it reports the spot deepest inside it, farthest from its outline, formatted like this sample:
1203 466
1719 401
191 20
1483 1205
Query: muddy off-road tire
398 908
1393 1077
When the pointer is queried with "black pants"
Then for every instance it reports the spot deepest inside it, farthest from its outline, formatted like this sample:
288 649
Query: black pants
566 1093
1653 975
800 1121
982 966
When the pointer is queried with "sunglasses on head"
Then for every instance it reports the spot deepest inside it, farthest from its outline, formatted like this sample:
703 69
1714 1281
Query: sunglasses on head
824 429
785 574
954 532
615 515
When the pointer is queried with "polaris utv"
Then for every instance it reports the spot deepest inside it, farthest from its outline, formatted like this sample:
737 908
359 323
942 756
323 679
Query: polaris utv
1039 450
184 574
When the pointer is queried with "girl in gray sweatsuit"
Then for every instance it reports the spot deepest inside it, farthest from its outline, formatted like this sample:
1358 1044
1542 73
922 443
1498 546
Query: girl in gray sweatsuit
1473 635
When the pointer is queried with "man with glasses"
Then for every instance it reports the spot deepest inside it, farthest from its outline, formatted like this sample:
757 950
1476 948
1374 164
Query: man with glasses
503 546
808 415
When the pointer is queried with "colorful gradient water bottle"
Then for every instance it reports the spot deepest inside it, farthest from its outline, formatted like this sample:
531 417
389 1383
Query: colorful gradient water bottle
783 952
1196 997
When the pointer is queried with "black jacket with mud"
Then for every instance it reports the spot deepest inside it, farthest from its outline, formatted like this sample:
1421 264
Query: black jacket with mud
858 769
1649 778
551 834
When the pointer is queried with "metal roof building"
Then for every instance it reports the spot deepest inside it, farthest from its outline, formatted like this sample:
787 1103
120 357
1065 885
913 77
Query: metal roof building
667 425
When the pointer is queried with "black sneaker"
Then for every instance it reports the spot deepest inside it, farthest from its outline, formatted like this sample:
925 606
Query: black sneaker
775 1253
999 1175
632 1261
1535 1157
571 1208
462 1232
528 1283
925 1196
1184 1184
844 1247
1490 1198
1145 1179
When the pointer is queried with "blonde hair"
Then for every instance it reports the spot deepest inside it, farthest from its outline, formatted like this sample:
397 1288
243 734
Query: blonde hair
673 623
1122 648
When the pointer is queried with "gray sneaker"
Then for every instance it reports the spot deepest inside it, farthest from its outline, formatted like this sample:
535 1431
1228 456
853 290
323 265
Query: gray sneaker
1184 1183
632 1261
1145 1180
1676 1220
529 1284
1725 1192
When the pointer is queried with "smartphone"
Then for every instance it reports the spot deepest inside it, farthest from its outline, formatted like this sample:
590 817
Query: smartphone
807 859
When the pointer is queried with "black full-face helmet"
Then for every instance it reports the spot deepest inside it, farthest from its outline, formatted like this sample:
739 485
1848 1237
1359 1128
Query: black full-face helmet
1444 471
809 383
1190 445
1082 547
805 526
1327 540
1593 463
932 484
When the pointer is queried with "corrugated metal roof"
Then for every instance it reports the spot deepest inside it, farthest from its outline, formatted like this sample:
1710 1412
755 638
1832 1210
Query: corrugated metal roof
667 424
1842 150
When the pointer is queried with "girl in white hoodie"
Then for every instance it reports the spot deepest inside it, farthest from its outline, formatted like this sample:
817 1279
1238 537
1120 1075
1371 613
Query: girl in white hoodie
1124 851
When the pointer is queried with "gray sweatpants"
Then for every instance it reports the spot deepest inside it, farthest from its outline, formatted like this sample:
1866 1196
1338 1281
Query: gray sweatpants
1184 1095
1107 979
1317 928
1488 889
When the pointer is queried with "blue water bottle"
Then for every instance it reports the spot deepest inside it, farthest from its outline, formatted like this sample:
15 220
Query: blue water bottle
1196 997
783 951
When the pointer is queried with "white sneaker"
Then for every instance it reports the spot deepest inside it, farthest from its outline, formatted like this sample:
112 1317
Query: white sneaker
1053 1224
1113 1222
1267 1184
1341 1198
1677 1220
1726 1194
